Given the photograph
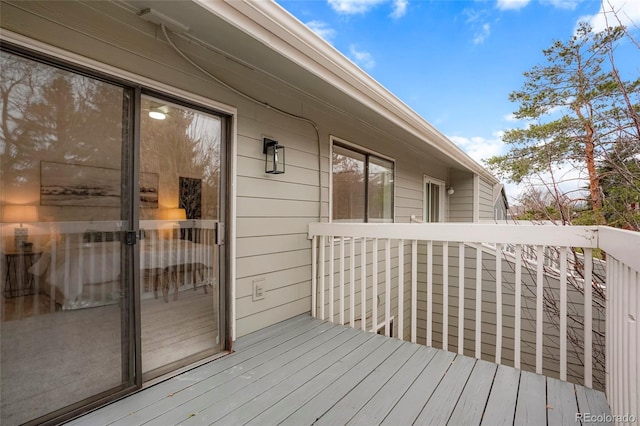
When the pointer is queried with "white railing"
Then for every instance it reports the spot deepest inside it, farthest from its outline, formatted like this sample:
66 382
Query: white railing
409 274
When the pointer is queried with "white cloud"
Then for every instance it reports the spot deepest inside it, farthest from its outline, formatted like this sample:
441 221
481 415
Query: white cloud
362 58
480 148
562 4
482 35
322 29
399 8
512 4
510 117
627 11
354 7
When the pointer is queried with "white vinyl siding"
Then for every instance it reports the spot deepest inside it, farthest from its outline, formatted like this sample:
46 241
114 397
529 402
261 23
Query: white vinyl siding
272 211
461 202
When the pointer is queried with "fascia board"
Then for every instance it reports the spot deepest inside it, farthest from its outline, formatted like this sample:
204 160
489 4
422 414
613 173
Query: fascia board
273 26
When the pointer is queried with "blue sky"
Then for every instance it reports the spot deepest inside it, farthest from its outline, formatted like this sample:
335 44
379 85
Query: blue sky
455 62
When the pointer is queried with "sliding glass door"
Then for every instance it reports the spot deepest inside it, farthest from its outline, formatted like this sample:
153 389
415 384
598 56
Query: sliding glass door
65 200
180 211
110 233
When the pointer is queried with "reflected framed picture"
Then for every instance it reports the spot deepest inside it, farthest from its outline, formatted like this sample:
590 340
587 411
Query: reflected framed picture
149 183
67 184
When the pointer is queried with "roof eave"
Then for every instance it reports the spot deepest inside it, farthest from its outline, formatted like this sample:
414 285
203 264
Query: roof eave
270 24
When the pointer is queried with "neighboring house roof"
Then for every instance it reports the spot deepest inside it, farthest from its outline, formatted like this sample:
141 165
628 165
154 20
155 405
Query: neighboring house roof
303 60
499 192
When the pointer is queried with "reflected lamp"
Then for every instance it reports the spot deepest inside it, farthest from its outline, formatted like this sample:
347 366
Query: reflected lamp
20 214
274 156
176 214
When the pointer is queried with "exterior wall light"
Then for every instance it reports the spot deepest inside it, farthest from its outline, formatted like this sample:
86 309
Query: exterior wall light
450 190
274 156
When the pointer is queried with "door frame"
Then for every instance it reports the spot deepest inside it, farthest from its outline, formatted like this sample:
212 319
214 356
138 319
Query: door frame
222 308
40 51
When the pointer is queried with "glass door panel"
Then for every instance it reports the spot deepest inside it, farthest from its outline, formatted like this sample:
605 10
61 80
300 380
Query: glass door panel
179 215
65 303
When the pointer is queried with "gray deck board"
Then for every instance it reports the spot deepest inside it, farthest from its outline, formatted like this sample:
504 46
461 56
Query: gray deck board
472 402
259 384
442 403
167 389
286 406
264 401
199 396
531 407
562 406
351 403
410 405
386 398
591 402
305 371
501 405
323 401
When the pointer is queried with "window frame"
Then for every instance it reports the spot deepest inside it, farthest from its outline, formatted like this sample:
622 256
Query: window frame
335 141
426 203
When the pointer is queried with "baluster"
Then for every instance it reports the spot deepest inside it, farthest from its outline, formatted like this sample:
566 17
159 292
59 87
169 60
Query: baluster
429 291
563 313
588 318
314 278
414 290
498 303
461 298
539 306
478 351
518 307
401 289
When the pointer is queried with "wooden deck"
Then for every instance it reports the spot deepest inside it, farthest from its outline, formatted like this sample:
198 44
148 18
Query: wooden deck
305 371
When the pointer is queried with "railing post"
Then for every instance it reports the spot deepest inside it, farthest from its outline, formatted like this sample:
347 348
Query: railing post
498 303
518 308
429 291
352 282
314 277
374 290
414 290
445 295
387 287
341 276
363 284
539 301
401 289
563 313
322 269
588 318
461 298
331 278
478 352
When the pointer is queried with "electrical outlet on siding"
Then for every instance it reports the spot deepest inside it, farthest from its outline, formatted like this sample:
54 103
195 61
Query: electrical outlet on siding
258 289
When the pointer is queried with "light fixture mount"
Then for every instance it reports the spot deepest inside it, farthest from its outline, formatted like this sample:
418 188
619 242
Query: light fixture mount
274 156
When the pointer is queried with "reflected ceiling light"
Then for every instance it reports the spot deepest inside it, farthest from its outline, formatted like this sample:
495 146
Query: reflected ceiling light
157 114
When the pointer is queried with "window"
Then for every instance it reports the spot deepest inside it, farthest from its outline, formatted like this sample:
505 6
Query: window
362 186
433 200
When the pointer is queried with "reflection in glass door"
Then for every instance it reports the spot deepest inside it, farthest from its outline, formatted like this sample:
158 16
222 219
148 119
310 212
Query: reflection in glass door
180 208
65 304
